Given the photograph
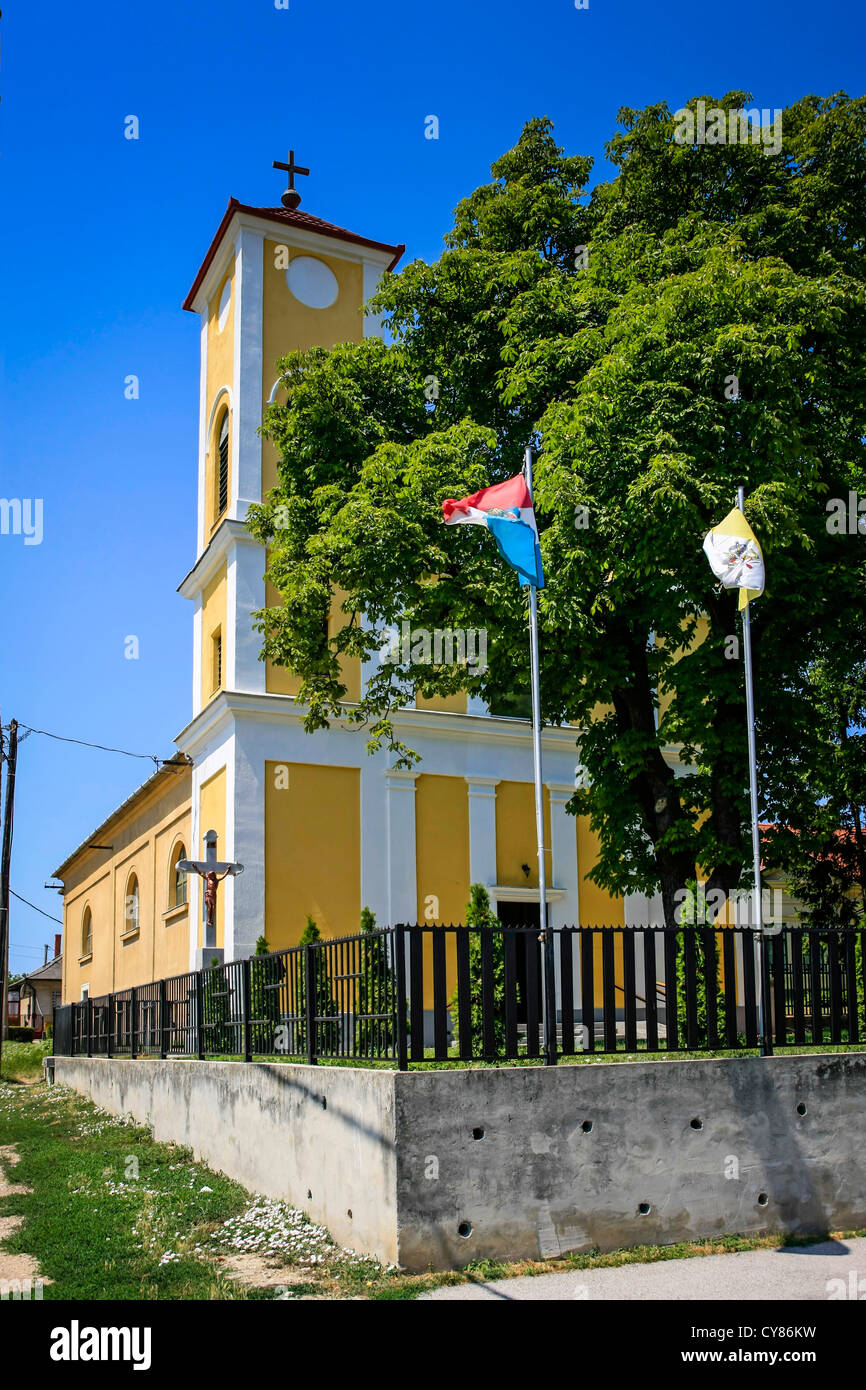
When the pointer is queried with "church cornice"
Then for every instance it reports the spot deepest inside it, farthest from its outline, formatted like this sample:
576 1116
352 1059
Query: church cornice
279 709
303 225
228 534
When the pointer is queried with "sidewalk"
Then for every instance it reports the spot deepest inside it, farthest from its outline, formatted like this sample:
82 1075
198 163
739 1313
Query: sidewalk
805 1273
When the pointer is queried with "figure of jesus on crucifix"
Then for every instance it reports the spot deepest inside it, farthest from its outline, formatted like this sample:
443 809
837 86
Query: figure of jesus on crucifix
213 872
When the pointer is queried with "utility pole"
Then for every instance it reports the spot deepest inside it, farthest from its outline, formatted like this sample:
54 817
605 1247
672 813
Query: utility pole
11 759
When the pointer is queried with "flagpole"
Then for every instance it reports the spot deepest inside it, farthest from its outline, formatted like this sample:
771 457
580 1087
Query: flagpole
545 937
765 1039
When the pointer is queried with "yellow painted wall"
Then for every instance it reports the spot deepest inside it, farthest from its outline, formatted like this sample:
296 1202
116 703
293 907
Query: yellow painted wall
289 326
666 695
442 863
212 816
312 851
219 372
597 907
279 680
442 846
452 704
516 838
213 616
142 839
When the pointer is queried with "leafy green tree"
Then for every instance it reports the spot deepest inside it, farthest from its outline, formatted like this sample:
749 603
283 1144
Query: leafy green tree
264 997
695 323
376 992
696 914
326 1009
481 918
220 1033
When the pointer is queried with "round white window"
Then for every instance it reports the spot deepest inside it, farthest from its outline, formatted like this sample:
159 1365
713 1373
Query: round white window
225 301
312 282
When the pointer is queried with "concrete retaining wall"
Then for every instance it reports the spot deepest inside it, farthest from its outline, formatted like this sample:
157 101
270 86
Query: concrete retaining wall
443 1167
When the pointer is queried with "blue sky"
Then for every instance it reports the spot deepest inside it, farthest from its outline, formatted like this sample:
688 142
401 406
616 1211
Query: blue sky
102 236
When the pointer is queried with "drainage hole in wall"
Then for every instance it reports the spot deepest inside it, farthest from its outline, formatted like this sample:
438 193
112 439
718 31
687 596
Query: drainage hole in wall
464 1229
763 1199
801 1109
309 1195
349 1213
587 1126
478 1133
324 1102
697 1124
644 1209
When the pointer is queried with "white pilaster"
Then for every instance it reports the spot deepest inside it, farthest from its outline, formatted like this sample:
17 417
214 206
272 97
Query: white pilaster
402 870
245 843
482 829
249 273
246 594
196 656
202 435
564 873
563 844
372 322
374 839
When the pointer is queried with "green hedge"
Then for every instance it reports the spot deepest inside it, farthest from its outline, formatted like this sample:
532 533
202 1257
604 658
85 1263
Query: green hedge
17 1034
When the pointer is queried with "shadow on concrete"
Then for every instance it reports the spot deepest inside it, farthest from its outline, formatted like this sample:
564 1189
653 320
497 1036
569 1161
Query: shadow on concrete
825 1247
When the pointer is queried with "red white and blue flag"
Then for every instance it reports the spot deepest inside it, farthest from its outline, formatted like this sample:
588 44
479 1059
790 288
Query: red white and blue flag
506 510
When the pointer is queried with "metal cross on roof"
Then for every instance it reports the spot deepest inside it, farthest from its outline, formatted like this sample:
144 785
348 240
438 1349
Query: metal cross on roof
291 198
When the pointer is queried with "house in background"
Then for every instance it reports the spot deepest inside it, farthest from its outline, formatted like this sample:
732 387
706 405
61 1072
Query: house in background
13 1004
40 993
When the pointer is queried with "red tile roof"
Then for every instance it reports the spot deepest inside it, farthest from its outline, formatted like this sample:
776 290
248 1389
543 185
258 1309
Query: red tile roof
302 220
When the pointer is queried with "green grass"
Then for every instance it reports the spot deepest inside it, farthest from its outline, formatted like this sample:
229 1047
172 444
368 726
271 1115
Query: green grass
114 1215
23 1061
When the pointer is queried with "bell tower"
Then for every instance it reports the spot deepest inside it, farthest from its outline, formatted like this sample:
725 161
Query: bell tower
274 280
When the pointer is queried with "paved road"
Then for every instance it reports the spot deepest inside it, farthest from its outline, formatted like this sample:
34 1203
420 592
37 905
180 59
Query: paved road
803 1273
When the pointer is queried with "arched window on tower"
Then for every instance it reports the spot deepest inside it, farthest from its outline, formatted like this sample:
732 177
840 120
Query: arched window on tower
87 933
177 885
223 464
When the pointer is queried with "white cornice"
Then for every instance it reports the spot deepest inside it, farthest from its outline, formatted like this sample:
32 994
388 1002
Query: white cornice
278 709
506 893
228 535
282 234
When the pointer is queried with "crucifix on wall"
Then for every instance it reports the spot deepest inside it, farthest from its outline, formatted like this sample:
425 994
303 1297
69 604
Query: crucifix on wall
213 871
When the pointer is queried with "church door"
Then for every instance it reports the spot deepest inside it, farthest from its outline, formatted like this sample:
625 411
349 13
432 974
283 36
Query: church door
528 954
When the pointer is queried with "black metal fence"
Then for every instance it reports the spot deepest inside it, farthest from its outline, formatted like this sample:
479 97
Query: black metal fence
415 994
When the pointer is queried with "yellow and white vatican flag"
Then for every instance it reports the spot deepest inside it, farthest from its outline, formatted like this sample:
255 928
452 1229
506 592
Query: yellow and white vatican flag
735 556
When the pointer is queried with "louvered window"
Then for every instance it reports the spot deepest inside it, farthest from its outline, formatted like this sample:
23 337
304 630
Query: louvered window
217 660
223 477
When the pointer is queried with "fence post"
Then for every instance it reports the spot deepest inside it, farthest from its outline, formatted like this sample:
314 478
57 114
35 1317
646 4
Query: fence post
162 1028
89 1020
310 980
133 1020
199 1016
400 1021
108 1048
247 999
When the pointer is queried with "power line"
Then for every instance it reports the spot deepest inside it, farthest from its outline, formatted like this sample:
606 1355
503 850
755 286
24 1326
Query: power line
35 908
102 746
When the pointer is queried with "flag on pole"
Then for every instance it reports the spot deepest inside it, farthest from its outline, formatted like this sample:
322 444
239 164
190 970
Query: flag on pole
506 510
735 556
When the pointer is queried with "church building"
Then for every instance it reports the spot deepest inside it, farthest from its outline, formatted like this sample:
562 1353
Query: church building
321 827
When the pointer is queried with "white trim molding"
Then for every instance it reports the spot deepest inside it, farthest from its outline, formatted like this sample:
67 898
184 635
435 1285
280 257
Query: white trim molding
508 893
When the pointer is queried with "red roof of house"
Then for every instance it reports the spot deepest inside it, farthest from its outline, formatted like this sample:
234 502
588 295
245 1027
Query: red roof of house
303 220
